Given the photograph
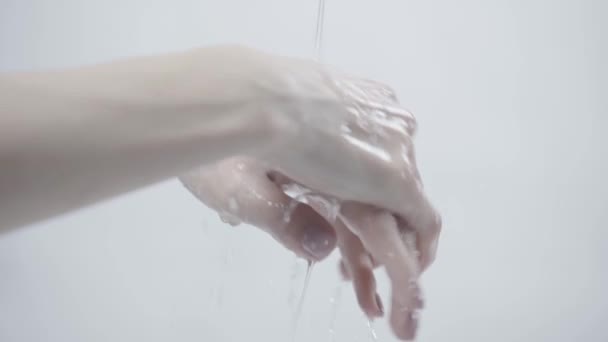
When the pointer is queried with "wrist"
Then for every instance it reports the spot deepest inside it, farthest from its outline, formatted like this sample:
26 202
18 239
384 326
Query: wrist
247 87
214 95
228 91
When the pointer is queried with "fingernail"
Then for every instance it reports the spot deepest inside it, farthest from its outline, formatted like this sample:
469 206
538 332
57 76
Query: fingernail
380 305
318 242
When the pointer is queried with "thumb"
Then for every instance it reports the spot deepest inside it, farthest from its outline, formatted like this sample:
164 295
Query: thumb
296 226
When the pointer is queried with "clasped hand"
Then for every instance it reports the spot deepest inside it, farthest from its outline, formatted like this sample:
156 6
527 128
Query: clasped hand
348 144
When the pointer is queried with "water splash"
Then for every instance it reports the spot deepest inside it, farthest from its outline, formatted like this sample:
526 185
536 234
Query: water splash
299 194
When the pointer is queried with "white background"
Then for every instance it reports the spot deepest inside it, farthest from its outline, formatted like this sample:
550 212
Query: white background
512 103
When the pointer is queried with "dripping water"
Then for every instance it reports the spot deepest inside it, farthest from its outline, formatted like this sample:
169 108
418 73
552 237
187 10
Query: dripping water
334 301
372 331
319 32
298 312
298 193
293 278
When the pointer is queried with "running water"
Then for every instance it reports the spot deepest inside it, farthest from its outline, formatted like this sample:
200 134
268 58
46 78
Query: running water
298 312
327 207
319 32
293 281
372 330
300 194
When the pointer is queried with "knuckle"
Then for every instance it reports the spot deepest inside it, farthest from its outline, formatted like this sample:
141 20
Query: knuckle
436 223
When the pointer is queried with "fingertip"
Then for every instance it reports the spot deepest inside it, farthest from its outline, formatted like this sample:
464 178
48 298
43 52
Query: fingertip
365 286
427 246
372 307
307 234
411 327
318 242
405 311
405 324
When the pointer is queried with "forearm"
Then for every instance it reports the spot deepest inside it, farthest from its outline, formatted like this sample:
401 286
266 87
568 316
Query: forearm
71 138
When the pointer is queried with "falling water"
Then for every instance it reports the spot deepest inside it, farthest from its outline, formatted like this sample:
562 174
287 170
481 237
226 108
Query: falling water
298 312
293 278
319 32
372 330
334 301
301 193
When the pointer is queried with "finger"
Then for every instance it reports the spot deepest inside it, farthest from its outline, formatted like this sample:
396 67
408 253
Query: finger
424 241
358 264
427 242
344 271
380 235
419 215
253 198
297 226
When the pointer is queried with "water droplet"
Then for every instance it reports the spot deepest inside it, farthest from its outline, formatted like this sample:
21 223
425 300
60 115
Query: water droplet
415 315
294 190
369 148
345 129
229 218
372 331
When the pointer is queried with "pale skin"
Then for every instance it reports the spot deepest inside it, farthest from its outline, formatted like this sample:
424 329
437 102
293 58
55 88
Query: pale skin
237 124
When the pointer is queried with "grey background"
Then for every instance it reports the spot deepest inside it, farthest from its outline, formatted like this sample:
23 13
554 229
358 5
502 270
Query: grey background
511 99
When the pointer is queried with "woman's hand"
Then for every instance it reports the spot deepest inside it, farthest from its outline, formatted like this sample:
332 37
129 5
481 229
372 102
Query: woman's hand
98 131
243 190
350 143
348 138
240 190
369 237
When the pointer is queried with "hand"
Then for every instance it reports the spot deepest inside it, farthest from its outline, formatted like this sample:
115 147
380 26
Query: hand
369 237
350 142
240 190
351 139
